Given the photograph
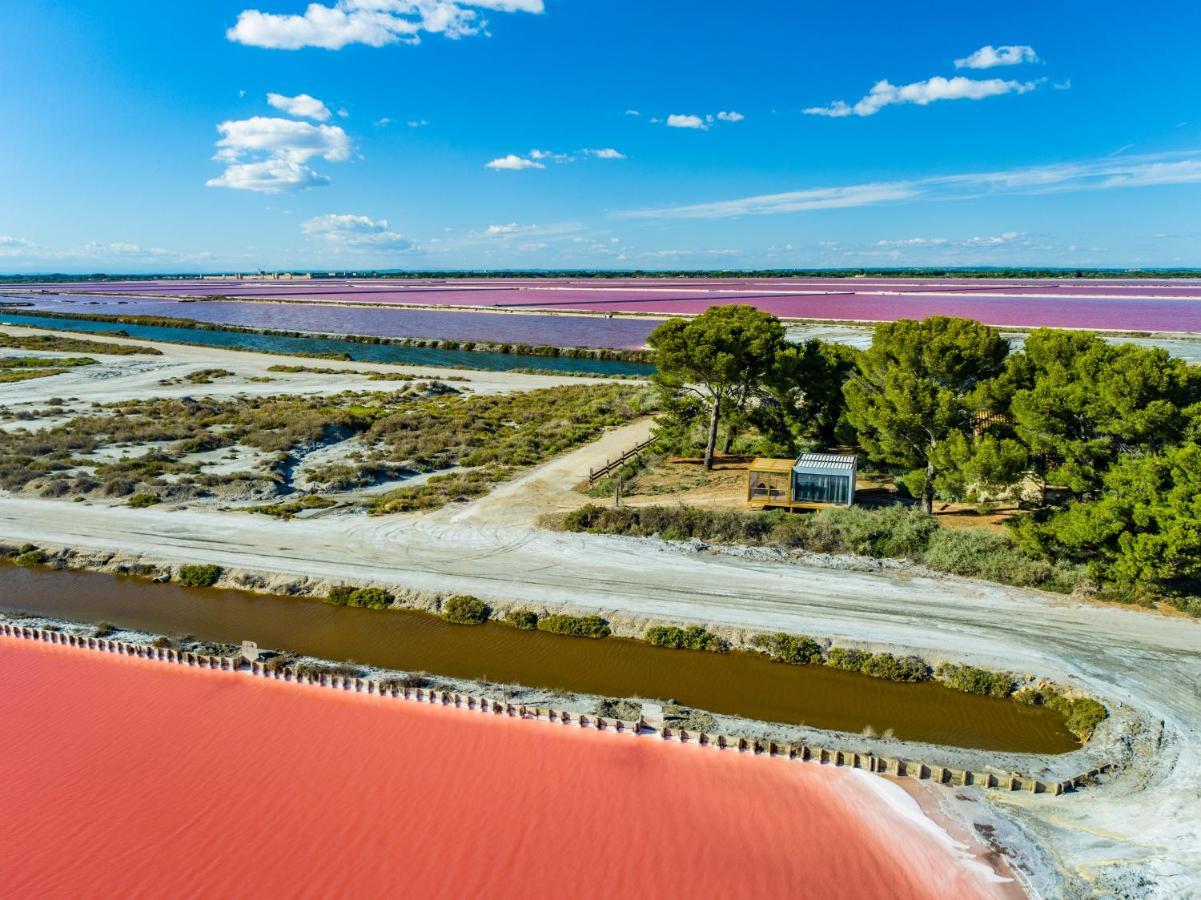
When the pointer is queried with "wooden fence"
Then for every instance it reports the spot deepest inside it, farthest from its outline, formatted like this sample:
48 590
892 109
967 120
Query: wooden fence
610 465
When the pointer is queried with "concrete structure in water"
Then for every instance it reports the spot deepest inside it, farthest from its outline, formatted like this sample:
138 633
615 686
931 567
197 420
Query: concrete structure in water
810 481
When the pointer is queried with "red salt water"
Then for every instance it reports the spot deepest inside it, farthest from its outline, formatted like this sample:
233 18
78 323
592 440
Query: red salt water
129 777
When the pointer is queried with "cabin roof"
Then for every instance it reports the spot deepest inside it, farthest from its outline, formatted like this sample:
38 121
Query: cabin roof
825 464
767 464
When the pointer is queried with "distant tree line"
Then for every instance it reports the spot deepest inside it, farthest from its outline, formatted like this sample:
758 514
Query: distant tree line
1098 441
915 272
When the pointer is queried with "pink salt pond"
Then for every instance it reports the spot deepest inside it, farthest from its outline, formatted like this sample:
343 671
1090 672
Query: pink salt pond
125 776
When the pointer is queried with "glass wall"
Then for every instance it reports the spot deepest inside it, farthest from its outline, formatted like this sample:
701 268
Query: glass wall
807 488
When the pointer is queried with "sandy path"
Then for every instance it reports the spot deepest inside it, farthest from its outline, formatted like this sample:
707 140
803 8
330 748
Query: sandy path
1146 823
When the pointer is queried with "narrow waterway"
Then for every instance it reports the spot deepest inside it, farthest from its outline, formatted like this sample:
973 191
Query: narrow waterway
745 684
359 352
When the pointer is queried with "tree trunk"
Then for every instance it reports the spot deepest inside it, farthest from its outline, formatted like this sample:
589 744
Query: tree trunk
731 434
928 490
712 442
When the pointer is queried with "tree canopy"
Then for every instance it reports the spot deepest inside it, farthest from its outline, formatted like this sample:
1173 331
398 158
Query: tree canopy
719 358
913 388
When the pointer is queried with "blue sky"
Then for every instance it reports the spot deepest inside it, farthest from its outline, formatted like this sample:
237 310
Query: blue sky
503 134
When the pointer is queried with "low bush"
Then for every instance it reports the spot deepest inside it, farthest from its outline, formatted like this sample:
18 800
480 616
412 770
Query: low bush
892 532
142 499
691 638
1082 714
30 558
788 648
844 658
575 626
463 609
361 598
896 668
972 680
525 619
198 575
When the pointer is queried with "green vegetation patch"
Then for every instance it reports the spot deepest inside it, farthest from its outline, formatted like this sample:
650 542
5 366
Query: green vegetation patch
361 597
524 619
575 626
691 638
289 509
463 609
142 499
198 574
893 532
972 680
56 344
1083 714
788 648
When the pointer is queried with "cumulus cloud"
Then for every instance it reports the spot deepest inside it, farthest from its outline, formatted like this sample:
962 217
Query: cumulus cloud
605 153
922 93
355 232
633 112
270 155
676 120
371 22
701 123
995 240
513 163
302 106
988 57
417 123
1183 167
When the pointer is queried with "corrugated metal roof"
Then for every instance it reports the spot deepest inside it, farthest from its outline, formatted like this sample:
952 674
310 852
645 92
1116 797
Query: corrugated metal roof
825 464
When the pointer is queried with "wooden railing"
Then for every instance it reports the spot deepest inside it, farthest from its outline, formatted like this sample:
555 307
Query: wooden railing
610 465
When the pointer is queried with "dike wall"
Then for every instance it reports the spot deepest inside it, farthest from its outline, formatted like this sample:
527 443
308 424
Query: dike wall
884 765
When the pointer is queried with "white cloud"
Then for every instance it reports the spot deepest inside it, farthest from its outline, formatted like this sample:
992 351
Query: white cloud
12 246
511 228
269 176
997 240
922 93
605 153
633 112
793 201
371 22
343 112
1182 167
302 105
730 116
675 120
417 123
382 122
549 155
989 56
269 155
355 232
513 163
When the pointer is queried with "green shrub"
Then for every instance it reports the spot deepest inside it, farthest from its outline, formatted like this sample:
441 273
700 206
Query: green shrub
361 598
142 499
1082 714
850 660
691 638
972 680
575 626
198 575
896 668
525 619
31 558
788 648
463 609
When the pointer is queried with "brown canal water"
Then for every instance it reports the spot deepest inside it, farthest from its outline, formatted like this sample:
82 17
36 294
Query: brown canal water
737 683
